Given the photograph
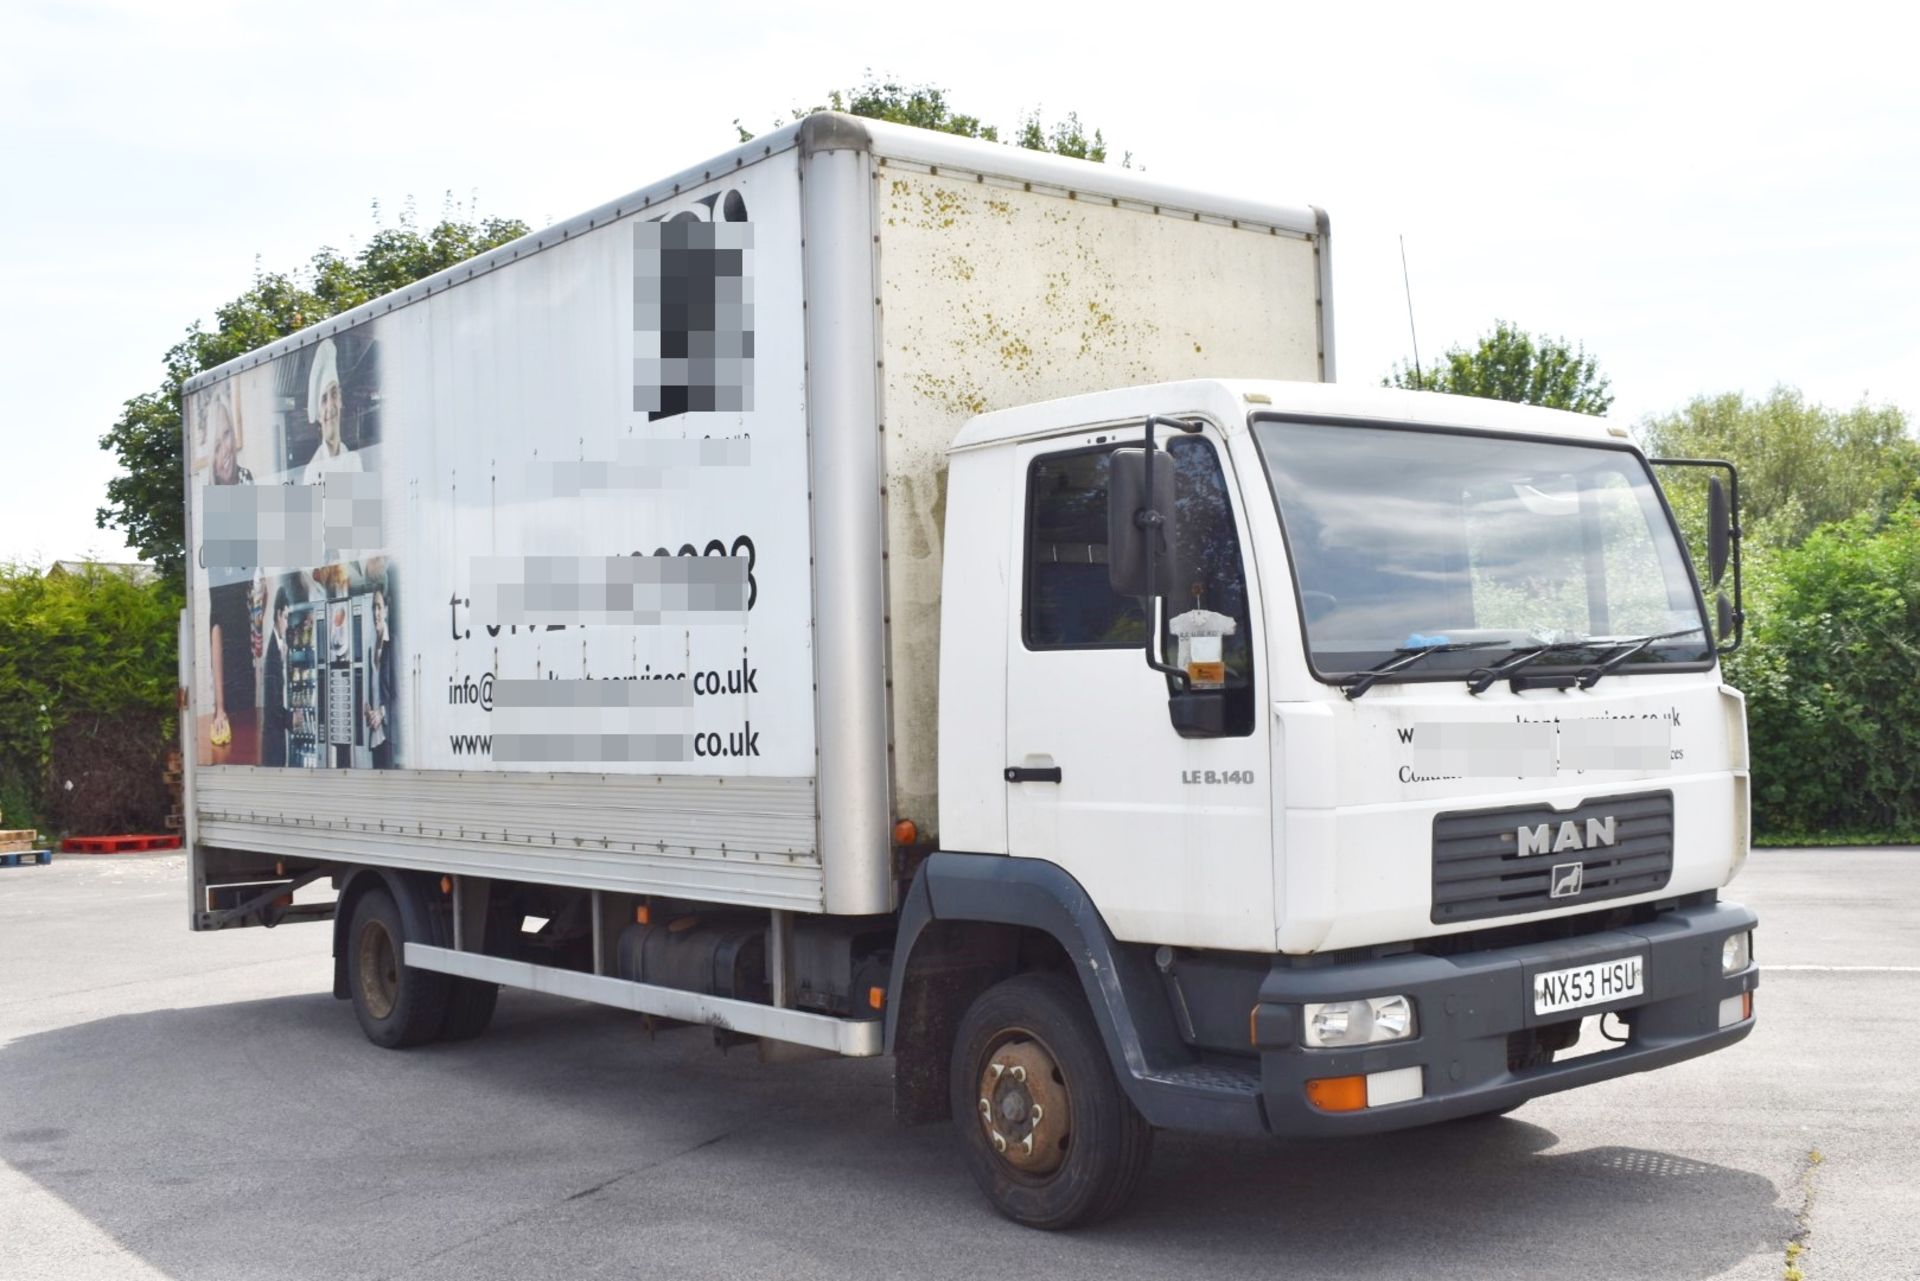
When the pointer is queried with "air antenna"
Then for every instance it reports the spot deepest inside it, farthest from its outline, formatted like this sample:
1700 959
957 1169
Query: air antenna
1407 281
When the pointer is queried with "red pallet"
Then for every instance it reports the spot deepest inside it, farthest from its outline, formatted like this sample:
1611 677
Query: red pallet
118 844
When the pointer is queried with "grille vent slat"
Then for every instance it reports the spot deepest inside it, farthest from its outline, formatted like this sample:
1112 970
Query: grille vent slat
1478 871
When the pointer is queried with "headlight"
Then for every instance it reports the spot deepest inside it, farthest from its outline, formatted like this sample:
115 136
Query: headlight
1736 953
1364 1022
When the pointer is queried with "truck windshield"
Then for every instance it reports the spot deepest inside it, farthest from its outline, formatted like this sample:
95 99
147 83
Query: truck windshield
1408 539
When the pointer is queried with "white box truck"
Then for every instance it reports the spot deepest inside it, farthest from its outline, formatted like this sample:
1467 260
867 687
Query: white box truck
884 593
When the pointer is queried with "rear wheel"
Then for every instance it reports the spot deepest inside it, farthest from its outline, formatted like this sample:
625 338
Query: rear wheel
1044 1126
469 1009
398 1006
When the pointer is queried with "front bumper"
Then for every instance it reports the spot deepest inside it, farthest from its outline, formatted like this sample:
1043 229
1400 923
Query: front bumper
1468 1006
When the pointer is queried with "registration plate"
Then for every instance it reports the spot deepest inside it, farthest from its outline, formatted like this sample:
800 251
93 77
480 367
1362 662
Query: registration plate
1558 990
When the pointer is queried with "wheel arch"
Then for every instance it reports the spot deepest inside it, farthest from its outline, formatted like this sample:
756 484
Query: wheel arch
971 920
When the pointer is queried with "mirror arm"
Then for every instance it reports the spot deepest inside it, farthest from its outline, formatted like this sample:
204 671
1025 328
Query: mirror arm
1153 523
1733 519
1733 530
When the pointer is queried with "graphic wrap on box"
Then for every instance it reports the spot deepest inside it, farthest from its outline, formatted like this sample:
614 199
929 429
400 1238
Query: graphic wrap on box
552 519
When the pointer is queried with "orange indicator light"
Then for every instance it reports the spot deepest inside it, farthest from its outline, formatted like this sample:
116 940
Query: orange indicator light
1338 1093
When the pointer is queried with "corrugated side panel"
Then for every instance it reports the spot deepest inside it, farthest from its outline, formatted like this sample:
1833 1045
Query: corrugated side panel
994 296
731 840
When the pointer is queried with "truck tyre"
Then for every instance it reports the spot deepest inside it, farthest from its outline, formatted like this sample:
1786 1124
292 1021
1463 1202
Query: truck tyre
398 1006
1045 1129
469 1009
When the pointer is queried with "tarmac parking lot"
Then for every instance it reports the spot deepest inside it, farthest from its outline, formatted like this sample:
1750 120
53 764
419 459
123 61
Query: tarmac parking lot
198 1106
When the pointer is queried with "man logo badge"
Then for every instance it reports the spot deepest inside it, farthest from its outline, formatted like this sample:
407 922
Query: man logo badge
1548 839
1567 879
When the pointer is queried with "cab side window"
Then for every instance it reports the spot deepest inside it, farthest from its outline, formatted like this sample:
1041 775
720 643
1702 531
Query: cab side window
1210 572
1068 604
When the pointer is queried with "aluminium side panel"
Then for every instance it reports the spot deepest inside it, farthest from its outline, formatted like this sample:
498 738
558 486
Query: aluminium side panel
849 552
1002 290
510 574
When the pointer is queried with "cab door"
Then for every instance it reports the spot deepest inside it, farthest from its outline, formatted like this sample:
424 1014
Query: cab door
1169 835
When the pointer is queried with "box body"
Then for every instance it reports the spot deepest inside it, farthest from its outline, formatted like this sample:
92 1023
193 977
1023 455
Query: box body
613 557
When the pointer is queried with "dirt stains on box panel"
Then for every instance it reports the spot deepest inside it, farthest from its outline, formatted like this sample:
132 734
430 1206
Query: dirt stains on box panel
992 295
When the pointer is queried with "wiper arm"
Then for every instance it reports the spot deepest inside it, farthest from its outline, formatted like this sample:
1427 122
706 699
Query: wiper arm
1482 679
1407 657
1590 676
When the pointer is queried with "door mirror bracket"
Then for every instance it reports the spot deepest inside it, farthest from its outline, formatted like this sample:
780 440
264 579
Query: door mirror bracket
1142 532
1723 547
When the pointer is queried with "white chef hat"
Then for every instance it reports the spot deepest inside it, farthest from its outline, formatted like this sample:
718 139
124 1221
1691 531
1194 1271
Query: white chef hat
218 417
326 369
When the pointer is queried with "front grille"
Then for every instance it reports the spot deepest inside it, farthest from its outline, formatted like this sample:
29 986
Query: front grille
1479 871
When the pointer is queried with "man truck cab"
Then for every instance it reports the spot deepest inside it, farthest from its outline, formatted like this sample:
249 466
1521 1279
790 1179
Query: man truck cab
1454 772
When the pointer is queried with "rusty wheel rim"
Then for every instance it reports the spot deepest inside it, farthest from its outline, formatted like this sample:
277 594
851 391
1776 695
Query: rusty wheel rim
379 970
1024 1108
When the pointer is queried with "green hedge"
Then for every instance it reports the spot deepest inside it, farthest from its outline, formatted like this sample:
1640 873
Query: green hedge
77 650
1831 670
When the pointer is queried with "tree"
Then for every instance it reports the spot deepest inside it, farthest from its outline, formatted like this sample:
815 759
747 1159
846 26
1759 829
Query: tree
1067 139
144 501
87 681
1831 670
1510 364
922 106
925 107
1801 465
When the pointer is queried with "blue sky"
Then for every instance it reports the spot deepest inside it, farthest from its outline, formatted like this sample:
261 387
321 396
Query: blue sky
1712 199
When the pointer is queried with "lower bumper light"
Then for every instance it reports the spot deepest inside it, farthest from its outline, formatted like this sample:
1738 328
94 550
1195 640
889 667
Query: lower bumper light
1736 1009
1402 1085
1375 1089
1338 1093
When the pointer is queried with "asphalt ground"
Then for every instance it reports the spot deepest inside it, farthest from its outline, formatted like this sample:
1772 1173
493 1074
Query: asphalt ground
198 1106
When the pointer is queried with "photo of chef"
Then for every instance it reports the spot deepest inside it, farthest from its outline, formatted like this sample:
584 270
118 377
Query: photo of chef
329 397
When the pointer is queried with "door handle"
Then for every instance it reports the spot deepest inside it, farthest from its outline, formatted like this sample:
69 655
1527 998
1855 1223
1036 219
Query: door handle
1033 774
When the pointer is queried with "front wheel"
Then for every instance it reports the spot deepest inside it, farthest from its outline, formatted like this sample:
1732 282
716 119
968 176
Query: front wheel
1045 1128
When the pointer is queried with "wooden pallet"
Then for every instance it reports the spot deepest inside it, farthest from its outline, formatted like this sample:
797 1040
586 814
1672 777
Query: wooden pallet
119 844
28 858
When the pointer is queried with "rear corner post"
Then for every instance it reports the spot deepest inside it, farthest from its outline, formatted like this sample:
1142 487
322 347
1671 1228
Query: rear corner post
849 610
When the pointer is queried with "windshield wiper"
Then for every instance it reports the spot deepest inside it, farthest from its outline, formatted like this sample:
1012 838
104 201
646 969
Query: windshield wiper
1364 681
1482 679
1590 676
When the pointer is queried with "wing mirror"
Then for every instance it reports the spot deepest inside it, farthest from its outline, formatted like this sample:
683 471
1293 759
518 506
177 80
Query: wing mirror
1719 531
1140 524
1142 536
1723 546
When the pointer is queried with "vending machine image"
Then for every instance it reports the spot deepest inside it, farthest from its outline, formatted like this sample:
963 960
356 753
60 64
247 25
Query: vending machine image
329 675
349 648
306 640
